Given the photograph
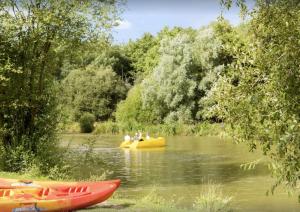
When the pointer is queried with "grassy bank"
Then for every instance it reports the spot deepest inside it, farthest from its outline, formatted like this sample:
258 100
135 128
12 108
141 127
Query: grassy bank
15 175
73 165
109 127
210 199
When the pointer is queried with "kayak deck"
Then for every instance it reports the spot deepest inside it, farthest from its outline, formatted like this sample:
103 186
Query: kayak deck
57 197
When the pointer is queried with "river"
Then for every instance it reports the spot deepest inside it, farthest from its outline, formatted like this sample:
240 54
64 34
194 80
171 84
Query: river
185 166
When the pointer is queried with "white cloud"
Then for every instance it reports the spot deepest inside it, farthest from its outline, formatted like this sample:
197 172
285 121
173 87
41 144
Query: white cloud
123 25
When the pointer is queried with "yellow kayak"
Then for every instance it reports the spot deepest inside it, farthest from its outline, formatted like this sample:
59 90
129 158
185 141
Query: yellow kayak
145 143
126 144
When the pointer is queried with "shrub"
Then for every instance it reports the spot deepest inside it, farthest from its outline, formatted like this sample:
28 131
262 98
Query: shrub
167 129
213 200
86 122
94 89
16 159
131 113
108 127
156 202
171 89
73 127
80 164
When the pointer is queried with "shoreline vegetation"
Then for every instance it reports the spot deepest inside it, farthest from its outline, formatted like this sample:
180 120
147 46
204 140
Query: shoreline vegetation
113 128
59 64
210 199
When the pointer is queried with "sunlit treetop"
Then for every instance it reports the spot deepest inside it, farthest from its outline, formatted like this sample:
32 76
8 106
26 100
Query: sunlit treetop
88 18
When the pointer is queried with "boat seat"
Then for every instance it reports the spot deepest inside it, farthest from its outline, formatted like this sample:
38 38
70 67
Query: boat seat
77 189
5 192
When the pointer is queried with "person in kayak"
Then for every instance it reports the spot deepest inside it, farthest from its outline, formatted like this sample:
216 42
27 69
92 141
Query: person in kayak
140 136
127 137
135 137
147 136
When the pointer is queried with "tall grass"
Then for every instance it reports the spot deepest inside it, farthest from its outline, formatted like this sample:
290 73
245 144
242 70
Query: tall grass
80 164
156 202
201 129
213 200
108 127
151 202
72 127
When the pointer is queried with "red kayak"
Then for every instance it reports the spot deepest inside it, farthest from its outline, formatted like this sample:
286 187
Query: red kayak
26 196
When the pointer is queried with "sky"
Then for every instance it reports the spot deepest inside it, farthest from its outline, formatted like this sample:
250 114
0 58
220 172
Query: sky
141 16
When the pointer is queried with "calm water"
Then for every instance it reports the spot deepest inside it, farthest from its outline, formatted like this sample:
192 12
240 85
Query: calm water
183 168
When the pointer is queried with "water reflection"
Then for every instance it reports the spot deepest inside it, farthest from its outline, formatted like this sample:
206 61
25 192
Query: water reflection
186 160
185 165
165 166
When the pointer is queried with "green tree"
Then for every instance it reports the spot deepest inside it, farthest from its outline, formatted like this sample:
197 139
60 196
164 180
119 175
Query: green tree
215 49
144 52
263 107
131 114
143 55
96 90
34 35
85 54
86 122
115 57
171 88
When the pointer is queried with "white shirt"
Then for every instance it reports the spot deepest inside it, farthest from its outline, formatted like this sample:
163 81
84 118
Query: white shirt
127 138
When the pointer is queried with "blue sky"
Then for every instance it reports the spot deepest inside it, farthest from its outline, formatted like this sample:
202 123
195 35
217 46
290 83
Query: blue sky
142 16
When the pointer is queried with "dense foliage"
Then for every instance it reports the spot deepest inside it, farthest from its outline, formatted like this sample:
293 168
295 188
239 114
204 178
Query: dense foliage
35 36
87 121
96 90
143 55
189 62
171 88
264 106
131 113
245 76
216 49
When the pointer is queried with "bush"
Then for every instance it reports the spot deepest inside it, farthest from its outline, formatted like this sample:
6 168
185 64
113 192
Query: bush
86 122
170 129
72 127
79 164
70 164
108 127
156 202
131 113
16 159
212 200
171 89
94 89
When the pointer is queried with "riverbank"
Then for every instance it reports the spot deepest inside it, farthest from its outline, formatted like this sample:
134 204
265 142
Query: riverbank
113 128
14 175
180 173
211 199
